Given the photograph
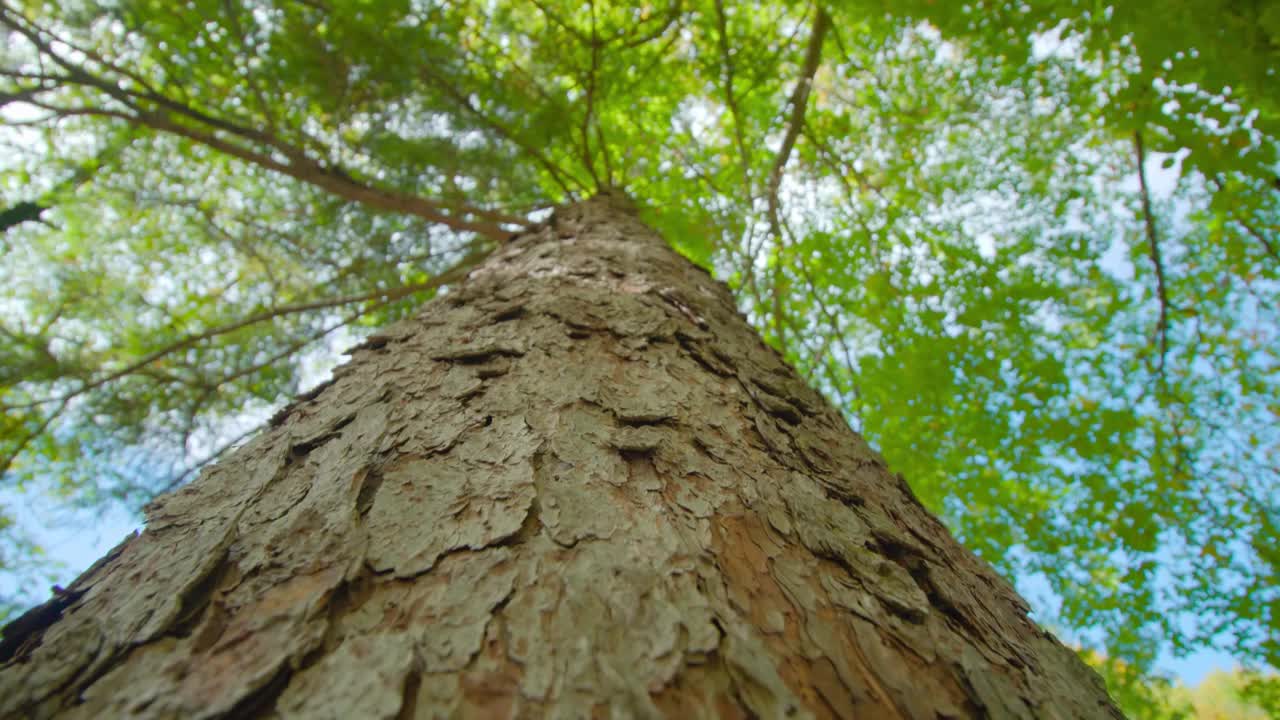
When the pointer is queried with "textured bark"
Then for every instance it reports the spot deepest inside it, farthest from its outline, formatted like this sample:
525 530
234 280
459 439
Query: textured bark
577 486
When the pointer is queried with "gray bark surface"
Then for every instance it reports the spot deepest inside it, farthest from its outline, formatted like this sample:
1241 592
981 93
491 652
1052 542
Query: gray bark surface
579 485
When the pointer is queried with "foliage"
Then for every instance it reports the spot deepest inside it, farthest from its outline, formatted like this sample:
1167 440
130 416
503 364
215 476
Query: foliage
1029 248
1223 696
1220 695
1140 696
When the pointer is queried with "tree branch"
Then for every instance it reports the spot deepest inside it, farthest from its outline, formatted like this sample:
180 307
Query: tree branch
798 102
1153 245
589 88
248 48
288 351
7 460
298 166
834 323
559 21
731 100
465 103
1257 235
1248 228
332 180
385 297
20 213
455 273
670 18
21 95
200 464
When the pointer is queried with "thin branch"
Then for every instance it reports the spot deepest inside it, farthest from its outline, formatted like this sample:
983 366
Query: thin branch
731 99
1254 232
841 170
643 73
456 272
313 173
316 5
557 20
32 32
532 81
288 351
385 297
1148 217
41 77
1271 249
7 460
798 101
248 48
21 95
299 166
239 243
334 181
772 58
833 322
590 91
465 103
197 466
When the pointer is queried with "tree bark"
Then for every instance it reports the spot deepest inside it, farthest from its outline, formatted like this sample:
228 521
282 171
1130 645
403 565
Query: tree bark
578 485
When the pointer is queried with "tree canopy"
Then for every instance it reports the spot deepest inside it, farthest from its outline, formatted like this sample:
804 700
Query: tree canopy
1031 249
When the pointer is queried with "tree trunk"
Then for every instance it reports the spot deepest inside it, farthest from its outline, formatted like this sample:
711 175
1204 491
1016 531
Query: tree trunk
579 485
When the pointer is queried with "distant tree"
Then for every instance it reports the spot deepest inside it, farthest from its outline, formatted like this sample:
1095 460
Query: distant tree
1221 696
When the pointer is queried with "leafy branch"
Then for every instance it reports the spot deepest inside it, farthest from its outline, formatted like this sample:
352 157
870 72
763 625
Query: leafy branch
1248 227
147 107
560 176
455 273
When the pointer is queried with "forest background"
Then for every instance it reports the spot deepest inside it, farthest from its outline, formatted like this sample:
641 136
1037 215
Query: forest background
1031 251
